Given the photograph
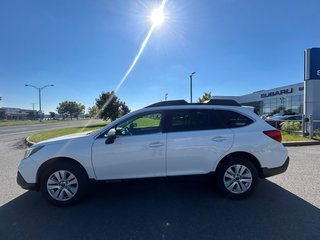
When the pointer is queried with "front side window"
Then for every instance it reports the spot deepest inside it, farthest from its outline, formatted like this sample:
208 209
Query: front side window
143 124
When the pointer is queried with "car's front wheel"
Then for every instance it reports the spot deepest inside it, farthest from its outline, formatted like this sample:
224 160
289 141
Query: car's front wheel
63 184
237 177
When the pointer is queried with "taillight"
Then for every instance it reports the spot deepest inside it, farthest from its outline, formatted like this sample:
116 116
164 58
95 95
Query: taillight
274 134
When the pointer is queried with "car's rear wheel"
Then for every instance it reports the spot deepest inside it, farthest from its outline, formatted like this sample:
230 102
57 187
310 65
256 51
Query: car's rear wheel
237 177
63 184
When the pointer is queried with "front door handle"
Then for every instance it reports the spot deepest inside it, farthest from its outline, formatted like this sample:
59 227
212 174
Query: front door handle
155 144
218 139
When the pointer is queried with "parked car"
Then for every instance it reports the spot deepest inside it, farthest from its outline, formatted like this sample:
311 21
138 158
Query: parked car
172 138
276 121
265 116
269 116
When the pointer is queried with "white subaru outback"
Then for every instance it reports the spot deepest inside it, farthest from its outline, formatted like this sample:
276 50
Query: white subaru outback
172 138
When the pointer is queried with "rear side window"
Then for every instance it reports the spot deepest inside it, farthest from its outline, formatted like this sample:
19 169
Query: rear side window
179 121
193 120
234 120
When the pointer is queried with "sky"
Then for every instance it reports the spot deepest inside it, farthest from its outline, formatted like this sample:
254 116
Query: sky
85 47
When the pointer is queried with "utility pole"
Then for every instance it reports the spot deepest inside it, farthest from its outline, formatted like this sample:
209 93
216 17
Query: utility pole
33 114
191 86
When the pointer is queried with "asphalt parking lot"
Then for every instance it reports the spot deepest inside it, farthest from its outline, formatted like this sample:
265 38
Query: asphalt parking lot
282 207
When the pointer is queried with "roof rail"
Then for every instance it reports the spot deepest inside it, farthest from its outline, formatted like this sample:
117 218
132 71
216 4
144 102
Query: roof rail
226 102
169 103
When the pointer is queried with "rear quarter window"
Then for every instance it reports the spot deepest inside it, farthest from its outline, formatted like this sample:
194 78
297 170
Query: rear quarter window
234 119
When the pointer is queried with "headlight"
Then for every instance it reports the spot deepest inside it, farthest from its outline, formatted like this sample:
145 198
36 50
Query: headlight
32 150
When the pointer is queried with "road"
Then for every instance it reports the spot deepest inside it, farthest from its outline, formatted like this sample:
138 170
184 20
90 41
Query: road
283 207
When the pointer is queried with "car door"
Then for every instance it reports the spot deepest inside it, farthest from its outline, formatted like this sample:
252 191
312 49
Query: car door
196 140
138 150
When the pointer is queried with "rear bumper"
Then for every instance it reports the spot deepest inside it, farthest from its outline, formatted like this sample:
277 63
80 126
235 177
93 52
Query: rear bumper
268 172
22 183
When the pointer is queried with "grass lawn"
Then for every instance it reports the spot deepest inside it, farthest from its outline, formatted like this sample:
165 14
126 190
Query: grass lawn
286 137
65 131
147 122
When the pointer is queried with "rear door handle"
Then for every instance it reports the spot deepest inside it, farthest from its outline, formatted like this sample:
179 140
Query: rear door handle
218 139
155 144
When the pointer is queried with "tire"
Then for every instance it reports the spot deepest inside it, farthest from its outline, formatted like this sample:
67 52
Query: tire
237 177
63 183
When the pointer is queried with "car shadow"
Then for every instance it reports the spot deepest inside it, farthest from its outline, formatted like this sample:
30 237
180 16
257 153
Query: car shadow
166 209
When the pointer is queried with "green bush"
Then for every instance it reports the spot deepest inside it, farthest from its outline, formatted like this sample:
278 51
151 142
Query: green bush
317 133
290 126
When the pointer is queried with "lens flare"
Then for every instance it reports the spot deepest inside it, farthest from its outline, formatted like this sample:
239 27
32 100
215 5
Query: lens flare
158 20
157 17
135 60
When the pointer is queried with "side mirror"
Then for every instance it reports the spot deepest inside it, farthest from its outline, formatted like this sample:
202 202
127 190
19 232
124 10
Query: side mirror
133 125
111 136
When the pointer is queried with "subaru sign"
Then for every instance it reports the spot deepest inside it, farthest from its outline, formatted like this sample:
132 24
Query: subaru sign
278 92
312 63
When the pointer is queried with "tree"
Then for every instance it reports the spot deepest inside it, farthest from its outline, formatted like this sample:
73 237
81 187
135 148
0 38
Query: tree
93 111
110 107
70 108
52 114
124 109
2 115
205 97
81 108
32 115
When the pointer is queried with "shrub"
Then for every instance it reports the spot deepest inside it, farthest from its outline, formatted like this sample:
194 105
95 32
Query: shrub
290 126
317 133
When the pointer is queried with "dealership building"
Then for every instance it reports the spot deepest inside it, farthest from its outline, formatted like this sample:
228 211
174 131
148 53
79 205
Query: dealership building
300 98
288 98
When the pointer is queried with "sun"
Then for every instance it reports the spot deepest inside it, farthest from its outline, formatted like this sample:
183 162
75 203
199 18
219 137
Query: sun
157 17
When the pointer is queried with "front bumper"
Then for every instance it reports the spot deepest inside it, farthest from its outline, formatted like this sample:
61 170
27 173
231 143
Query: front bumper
268 172
22 183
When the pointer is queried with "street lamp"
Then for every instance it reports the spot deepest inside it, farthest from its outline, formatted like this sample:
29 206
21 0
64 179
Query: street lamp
39 89
166 96
191 86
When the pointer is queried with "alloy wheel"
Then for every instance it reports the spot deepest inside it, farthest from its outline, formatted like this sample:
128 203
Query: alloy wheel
237 178
62 185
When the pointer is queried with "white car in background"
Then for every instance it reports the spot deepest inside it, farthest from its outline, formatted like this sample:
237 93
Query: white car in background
172 138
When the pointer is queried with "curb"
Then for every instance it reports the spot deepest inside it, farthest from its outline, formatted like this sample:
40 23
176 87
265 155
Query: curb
28 142
298 144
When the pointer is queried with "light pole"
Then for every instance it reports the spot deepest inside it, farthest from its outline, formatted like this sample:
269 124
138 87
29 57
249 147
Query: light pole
33 114
166 96
191 86
39 89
